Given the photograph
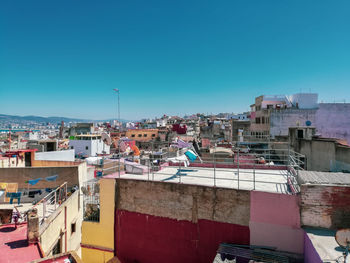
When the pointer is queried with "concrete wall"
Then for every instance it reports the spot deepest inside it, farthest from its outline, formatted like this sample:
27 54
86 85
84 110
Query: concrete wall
324 155
332 120
59 225
184 202
177 222
56 156
275 221
98 237
281 120
319 154
21 175
325 206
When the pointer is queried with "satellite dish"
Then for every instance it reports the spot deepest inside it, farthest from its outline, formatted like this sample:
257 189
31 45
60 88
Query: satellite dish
308 123
343 237
106 139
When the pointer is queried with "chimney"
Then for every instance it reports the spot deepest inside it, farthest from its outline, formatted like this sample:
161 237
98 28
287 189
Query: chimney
33 226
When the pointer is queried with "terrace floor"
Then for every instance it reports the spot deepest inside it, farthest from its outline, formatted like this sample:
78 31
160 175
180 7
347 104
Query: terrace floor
246 179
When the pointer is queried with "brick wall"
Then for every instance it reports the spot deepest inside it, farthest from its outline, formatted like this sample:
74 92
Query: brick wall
325 206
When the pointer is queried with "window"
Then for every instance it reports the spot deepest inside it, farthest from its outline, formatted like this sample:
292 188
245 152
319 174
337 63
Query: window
300 134
72 228
72 147
133 135
262 119
145 135
87 148
153 135
257 120
140 135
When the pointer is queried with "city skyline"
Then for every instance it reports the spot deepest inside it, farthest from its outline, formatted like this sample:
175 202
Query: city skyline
65 59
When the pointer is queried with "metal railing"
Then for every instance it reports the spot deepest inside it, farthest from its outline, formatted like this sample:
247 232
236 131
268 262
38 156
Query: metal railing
246 168
47 205
91 201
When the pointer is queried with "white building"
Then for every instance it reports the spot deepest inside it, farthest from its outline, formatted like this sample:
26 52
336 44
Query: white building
89 145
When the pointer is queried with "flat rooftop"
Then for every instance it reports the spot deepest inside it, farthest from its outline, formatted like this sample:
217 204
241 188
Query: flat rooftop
14 246
325 245
274 181
24 207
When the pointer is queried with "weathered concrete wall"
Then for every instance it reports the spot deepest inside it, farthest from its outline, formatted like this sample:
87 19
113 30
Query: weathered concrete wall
21 175
325 206
332 120
45 163
319 154
342 159
177 222
275 221
184 202
67 155
281 120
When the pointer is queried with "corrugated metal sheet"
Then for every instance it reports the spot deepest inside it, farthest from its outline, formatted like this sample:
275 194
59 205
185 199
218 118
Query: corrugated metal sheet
312 177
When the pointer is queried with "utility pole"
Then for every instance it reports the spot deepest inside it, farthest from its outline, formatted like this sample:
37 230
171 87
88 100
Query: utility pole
117 91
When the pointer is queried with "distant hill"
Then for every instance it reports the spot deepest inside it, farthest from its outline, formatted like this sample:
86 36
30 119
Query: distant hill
14 118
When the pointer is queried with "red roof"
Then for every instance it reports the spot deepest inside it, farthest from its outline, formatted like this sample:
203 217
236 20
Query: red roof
14 246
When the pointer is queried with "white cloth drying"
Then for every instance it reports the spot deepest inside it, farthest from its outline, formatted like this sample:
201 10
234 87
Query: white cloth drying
180 159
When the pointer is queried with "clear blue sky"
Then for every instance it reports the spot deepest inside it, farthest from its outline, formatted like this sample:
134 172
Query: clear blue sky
63 58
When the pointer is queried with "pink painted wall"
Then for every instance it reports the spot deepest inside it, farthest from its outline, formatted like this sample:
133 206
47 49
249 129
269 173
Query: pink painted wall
275 221
284 238
274 208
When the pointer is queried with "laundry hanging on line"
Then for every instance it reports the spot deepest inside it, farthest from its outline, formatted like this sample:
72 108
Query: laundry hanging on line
34 181
51 178
48 179
33 193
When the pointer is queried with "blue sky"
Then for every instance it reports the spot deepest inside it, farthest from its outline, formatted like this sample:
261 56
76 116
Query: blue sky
63 58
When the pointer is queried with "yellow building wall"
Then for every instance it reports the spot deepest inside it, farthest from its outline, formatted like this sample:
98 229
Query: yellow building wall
99 236
93 255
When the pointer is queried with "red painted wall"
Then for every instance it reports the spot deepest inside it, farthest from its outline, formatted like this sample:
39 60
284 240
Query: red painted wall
145 238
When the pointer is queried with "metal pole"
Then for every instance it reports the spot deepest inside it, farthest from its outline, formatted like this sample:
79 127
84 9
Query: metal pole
55 198
152 162
118 108
214 165
119 135
179 171
254 174
238 169
147 169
